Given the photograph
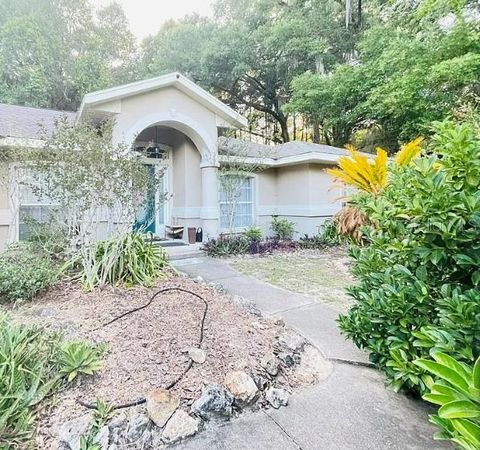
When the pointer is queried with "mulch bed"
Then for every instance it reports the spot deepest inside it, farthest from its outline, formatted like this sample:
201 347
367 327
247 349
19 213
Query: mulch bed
148 349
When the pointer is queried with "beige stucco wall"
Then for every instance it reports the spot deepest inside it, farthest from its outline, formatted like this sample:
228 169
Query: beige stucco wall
186 184
265 198
304 194
169 107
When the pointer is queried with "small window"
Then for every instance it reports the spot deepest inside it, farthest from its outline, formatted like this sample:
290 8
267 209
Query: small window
33 209
236 205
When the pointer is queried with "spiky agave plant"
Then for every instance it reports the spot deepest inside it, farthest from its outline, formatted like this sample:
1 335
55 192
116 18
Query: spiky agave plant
130 259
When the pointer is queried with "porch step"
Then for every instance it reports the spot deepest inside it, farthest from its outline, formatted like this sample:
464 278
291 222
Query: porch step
171 243
184 251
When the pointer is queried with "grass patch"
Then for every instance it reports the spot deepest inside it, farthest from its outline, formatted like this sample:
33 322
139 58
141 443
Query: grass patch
323 276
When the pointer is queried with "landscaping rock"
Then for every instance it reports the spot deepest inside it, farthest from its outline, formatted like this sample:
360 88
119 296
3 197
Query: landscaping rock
136 427
261 382
215 402
197 355
156 441
277 320
117 427
179 427
70 432
259 326
247 304
241 386
313 366
118 421
161 404
292 341
270 364
103 437
286 359
277 397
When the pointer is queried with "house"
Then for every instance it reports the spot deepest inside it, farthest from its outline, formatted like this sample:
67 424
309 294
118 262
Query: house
184 122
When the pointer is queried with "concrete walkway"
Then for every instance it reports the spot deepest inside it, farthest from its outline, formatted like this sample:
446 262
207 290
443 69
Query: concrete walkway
352 409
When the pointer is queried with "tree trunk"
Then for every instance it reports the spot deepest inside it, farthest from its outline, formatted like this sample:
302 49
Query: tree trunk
359 14
316 133
348 13
282 121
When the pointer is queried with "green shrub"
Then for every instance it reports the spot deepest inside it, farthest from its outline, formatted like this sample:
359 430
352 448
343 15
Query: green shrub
24 273
314 242
49 237
128 260
103 413
327 237
330 233
457 392
29 372
226 246
418 274
282 229
254 234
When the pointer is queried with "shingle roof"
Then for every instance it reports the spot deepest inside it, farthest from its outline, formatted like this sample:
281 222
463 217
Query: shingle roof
293 148
27 122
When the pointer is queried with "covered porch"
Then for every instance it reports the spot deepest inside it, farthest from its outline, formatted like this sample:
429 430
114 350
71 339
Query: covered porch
173 125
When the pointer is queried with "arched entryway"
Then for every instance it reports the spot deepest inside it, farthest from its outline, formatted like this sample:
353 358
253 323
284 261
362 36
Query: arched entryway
175 103
174 159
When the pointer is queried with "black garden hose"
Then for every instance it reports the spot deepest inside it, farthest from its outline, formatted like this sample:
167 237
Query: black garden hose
142 400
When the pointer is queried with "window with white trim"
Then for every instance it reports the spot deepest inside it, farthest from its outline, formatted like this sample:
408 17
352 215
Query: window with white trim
33 209
236 203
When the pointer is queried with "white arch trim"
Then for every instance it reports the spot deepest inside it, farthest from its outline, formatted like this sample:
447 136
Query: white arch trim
181 122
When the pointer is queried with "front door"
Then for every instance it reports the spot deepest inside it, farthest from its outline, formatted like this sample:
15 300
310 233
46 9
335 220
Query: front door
151 216
161 202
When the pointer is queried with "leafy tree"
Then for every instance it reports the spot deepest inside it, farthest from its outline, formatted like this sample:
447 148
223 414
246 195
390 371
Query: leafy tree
251 51
410 70
54 51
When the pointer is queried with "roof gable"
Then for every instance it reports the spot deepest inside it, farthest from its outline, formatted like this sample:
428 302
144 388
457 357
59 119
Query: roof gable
107 96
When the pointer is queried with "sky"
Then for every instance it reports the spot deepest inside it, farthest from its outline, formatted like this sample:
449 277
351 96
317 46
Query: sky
147 16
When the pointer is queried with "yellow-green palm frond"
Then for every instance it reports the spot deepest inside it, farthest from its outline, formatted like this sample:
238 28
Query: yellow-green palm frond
409 151
359 171
351 148
381 164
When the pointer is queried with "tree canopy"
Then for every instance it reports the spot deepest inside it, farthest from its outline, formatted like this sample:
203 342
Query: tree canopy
372 72
54 51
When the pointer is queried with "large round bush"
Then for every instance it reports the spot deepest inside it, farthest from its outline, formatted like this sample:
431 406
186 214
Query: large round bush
419 268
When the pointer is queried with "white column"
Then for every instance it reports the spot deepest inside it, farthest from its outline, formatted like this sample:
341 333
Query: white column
210 211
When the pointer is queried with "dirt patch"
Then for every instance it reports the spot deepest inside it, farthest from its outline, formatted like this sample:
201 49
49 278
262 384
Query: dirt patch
320 274
148 349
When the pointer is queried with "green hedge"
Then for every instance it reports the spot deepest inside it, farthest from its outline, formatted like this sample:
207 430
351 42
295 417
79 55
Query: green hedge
25 272
419 272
